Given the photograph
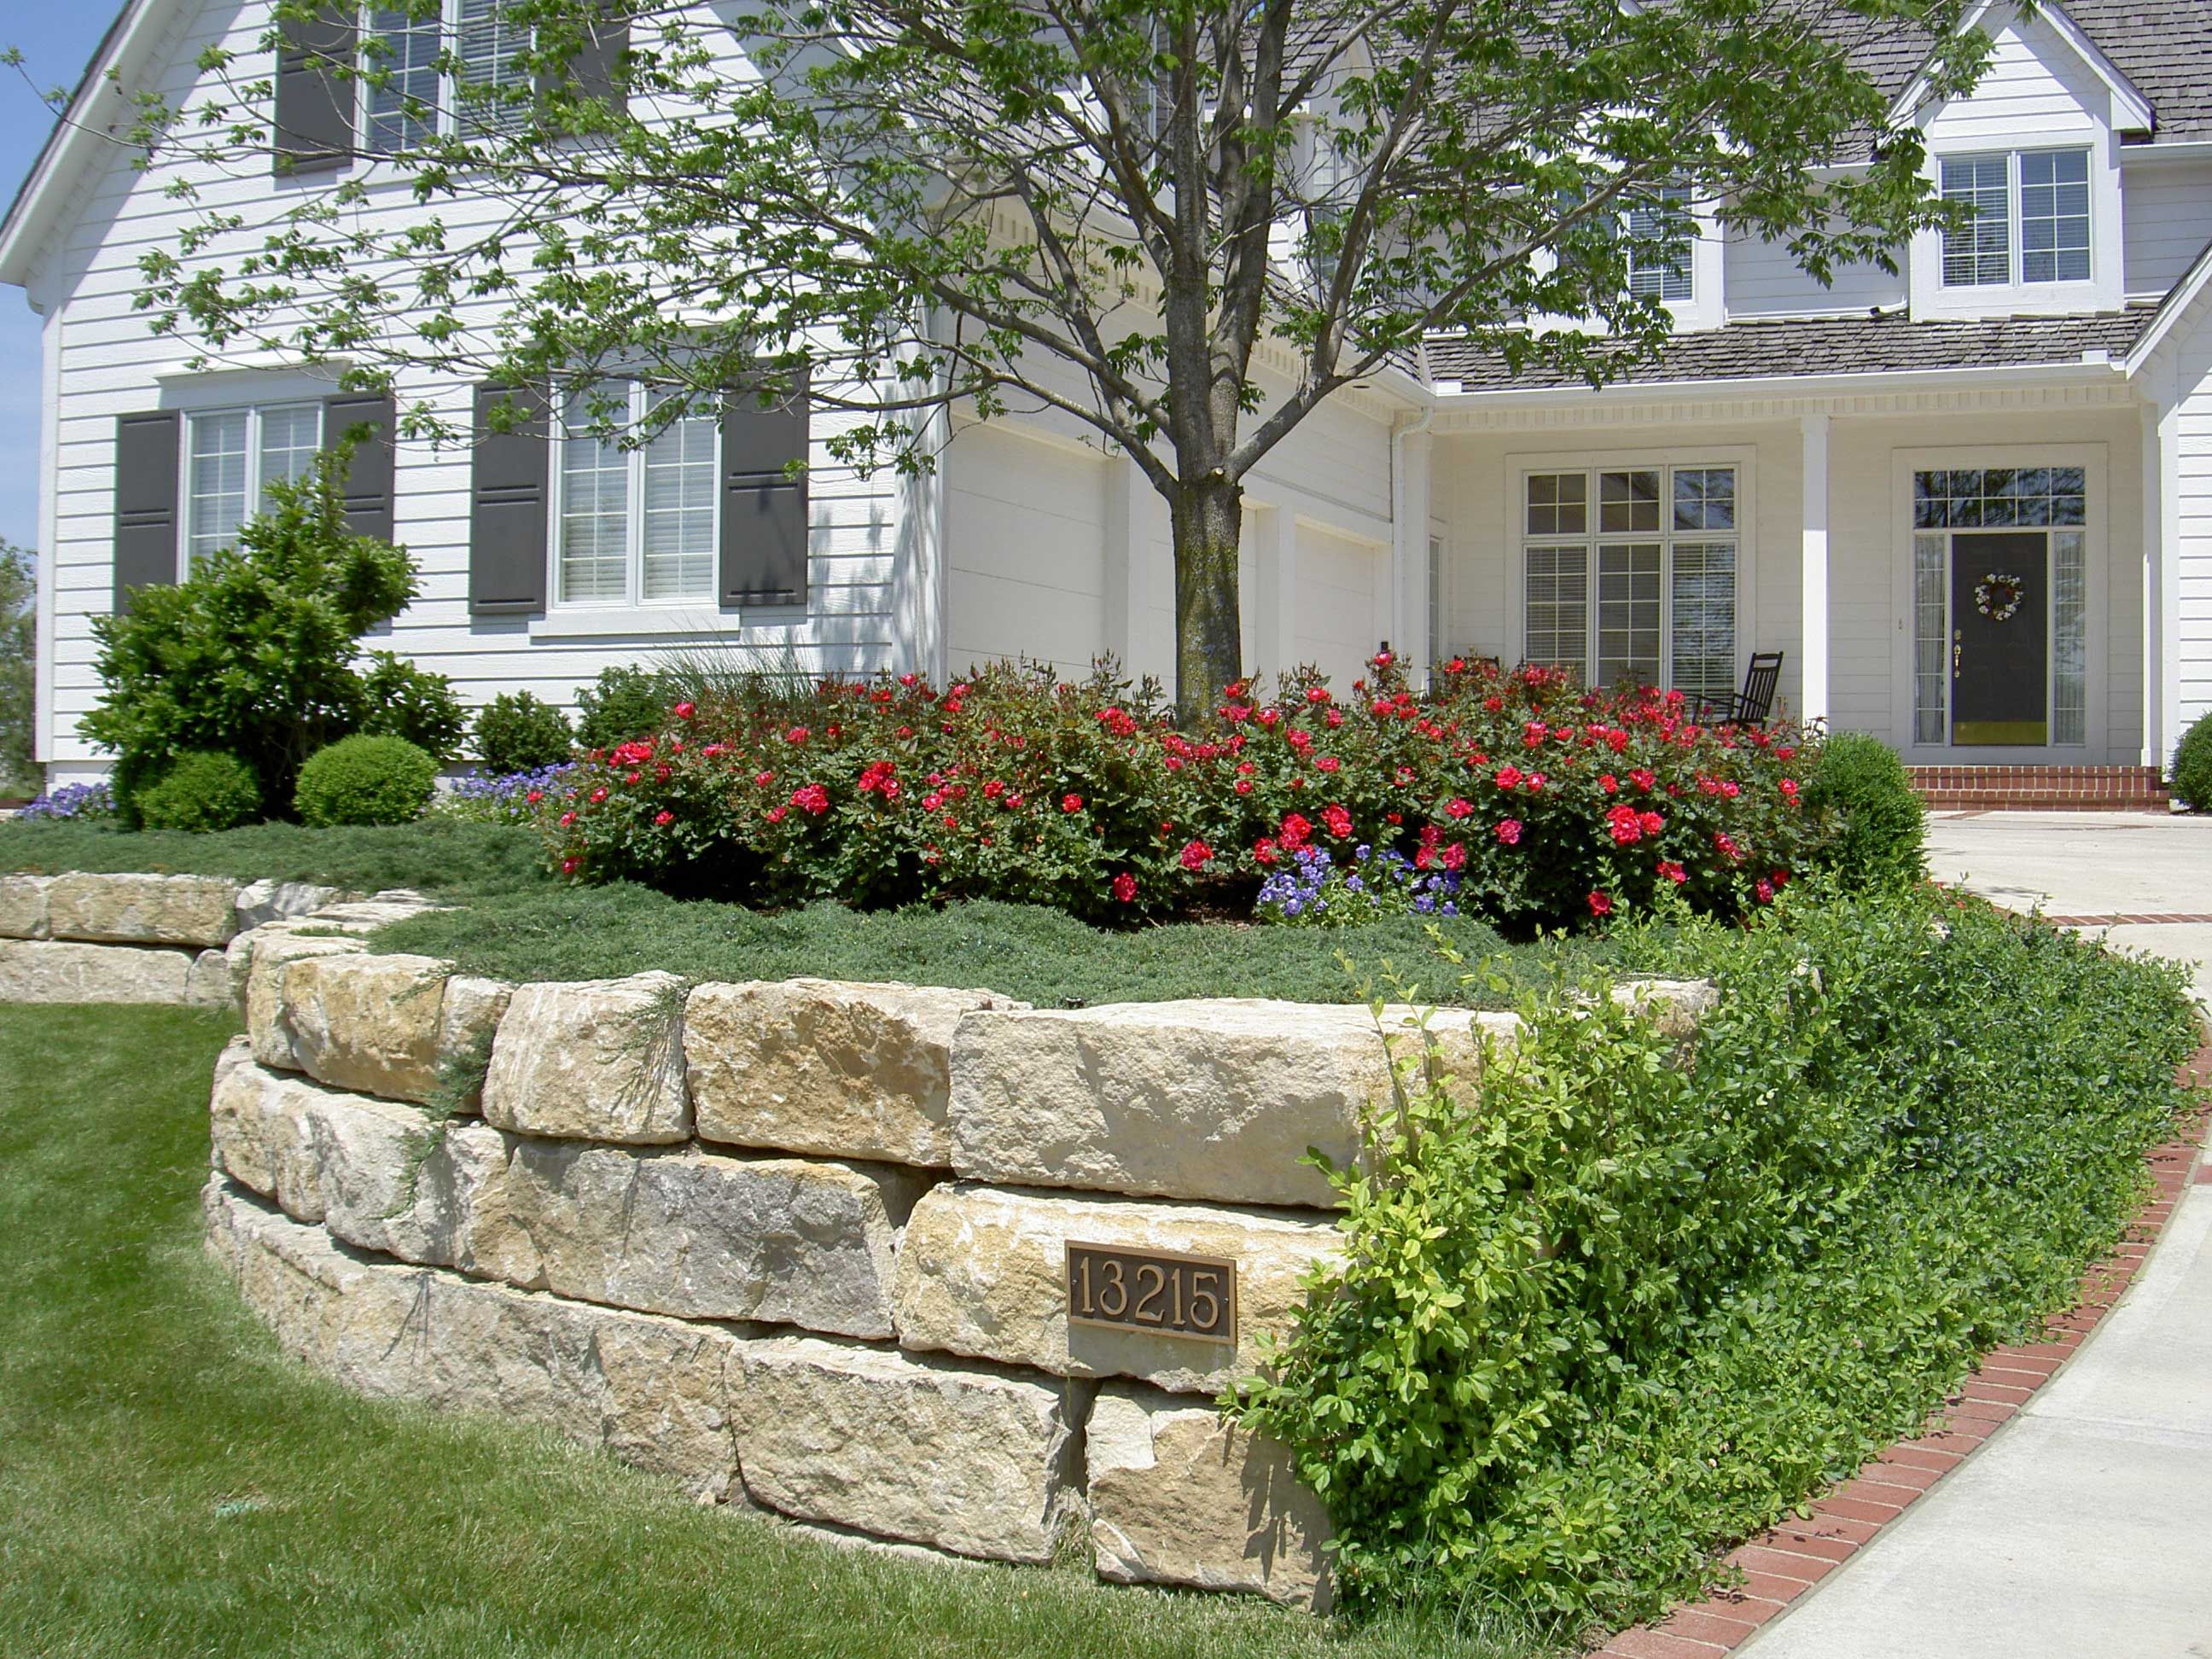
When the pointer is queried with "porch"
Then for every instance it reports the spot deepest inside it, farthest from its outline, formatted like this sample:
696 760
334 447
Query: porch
1965 575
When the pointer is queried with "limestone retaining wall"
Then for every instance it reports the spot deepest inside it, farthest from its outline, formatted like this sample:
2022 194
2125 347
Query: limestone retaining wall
798 1245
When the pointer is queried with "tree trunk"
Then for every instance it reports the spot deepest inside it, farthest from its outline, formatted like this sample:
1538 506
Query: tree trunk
1208 518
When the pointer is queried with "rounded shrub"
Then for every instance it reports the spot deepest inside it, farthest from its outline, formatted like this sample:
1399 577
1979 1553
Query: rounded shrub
515 733
626 704
205 789
366 779
2192 766
1880 824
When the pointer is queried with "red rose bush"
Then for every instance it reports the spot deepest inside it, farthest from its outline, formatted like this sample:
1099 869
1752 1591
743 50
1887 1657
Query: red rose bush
1538 801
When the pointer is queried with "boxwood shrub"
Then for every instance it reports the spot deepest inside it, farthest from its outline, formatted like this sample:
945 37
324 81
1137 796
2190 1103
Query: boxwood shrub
2192 766
1636 1306
204 790
366 780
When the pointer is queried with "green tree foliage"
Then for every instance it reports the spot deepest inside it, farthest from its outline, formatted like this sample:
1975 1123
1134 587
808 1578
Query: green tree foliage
1632 1303
402 700
18 650
622 704
363 780
1103 207
254 652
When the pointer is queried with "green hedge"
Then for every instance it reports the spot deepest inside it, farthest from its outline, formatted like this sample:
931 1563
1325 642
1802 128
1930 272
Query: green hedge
1627 1312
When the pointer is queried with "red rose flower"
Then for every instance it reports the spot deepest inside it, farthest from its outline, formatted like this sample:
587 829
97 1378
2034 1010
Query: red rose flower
1125 887
1071 803
664 818
683 711
1337 820
1459 807
1508 832
1196 854
1600 904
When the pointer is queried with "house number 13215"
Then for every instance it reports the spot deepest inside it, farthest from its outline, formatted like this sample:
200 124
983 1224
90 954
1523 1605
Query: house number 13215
1158 1291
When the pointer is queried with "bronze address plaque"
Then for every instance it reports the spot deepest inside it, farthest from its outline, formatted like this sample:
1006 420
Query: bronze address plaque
1157 1290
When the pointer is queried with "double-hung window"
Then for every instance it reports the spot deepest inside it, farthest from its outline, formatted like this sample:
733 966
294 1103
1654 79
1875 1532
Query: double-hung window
2030 218
410 99
1629 575
636 523
1650 275
231 457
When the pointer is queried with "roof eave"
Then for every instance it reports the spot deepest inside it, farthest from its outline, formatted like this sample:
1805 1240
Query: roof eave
1844 382
2131 111
72 138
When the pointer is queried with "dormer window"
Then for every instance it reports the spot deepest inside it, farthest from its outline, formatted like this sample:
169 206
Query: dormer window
414 100
2031 218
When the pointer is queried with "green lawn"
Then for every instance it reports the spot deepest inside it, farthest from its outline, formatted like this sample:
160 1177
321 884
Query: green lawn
515 922
169 1486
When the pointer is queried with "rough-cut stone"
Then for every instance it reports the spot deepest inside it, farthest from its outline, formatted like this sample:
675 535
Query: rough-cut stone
268 1019
379 910
1213 1099
467 1021
56 970
654 1392
974 1459
781 1241
23 906
818 1065
366 1021
982 1272
198 911
392 1182
258 1121
599 1059
1674 1005
207 981
261 903
1179 1497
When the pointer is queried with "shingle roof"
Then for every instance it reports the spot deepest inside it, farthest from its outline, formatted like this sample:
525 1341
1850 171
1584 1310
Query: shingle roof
1887 343
2164 47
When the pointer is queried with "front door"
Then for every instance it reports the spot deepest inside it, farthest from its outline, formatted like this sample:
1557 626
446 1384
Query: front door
2000 638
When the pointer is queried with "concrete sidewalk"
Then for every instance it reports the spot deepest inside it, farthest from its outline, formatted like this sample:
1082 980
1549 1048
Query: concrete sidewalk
2090 864
2081 1529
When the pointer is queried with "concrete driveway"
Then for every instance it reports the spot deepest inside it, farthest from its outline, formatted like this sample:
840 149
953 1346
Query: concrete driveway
2100 864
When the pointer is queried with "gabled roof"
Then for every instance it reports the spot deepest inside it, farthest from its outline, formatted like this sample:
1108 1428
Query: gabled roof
77 132
2165 48
2131 110
1884 343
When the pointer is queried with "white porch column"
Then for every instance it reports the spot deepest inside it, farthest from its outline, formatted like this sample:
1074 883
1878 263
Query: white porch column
2162 710
1409 553
1813 695
1275 570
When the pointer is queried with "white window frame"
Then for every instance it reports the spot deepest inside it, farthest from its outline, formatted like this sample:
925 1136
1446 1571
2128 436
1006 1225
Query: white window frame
1520 467
2105 289
446 106
633 596
253 413
2095 621
2015 250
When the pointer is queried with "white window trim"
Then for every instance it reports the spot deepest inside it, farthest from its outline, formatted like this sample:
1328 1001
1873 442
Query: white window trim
1519 466
597 613
2105 288
2015 221
2096 691
447 103
253 412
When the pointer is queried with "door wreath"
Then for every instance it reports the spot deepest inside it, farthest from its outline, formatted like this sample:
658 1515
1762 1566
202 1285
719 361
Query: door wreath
1997 595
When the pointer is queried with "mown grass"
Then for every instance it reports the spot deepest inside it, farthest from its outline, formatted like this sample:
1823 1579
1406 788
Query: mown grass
170 1486
514 922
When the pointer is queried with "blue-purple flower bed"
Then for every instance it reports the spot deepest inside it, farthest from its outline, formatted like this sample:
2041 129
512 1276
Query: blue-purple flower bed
1315 891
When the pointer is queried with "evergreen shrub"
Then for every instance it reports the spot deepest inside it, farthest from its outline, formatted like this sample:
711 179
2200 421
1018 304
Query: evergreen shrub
204 790
2192 766
516 732
1880 827
366 779
623 705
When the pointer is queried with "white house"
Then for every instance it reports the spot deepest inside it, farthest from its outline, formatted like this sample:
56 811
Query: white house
1971 505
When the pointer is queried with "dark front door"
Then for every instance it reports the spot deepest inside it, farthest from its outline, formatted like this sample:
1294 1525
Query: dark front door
2000 637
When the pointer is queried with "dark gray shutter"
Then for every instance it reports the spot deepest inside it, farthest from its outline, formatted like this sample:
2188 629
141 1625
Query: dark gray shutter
763 509
368 473
314 105
594 66
145 501
507 519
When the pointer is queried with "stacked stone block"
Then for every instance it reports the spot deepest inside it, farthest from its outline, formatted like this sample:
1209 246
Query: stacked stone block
800 1245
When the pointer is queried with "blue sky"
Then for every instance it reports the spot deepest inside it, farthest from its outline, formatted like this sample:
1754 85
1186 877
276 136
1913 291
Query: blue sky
56 40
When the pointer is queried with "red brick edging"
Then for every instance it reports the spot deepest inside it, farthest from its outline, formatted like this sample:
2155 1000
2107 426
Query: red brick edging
2120 918
1786 1561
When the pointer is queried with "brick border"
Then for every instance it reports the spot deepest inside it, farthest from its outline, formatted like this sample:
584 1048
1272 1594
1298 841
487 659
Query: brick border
2119 919
2053 788
1786 1561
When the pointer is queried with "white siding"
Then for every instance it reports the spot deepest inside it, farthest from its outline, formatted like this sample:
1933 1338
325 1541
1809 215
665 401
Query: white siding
1765 281
1024 549
2193 602
2035 89
2169 221
109 363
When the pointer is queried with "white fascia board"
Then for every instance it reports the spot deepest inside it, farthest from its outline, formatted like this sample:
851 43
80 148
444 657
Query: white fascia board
2131 111
1847 384
2182 300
